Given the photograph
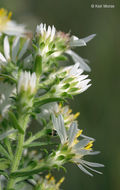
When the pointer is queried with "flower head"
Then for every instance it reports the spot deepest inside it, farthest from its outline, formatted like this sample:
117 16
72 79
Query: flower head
72 147
50 45
27 82
46 36
53 44
49 183
72 42
53 108
13 54
46 33
67 114
8 26
71 81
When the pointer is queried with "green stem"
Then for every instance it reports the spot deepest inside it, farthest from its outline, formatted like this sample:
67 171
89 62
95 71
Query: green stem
36 136
16 160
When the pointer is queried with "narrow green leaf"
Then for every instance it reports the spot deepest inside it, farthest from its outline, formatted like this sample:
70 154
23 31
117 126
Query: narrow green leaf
25 172
9 147
8 77
4 164
4 152
48 100
4 174
14 122
34 144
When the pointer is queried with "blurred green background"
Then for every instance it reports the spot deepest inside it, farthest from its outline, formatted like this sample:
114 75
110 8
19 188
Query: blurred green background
100 105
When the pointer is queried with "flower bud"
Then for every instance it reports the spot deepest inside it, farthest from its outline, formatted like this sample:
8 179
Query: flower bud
27 82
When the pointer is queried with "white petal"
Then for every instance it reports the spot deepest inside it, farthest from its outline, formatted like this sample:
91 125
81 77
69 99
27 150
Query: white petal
5 109
82 143
12 28
88 38
92 169
77 58
56 126
94 153
2 58
74 41
84 170
15 48
62 128
92 164
89 138
74 38
48 32
6 48
75 69
22 52
53 32
72 132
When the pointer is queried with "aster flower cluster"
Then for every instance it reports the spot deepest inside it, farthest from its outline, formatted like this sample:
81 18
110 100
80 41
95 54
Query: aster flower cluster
34 86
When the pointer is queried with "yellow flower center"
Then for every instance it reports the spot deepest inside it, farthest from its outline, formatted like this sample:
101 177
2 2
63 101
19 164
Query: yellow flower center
51 180
76 138
60 181
76 115
89 145
48 176
4 18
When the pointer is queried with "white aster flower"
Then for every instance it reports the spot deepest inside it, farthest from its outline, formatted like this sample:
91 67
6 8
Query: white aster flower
67 114
10 27
54 108
13 53
73 82
46 32
50 45
49 182
46 36
76 148
47 110
27 82
63 43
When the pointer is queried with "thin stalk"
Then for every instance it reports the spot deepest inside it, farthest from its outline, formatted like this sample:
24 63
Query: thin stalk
35 137
17 159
